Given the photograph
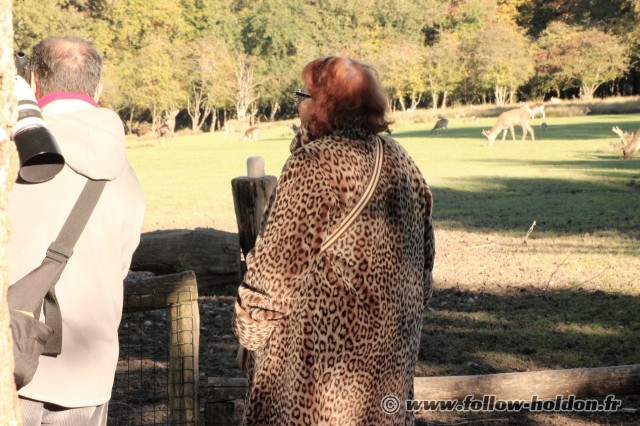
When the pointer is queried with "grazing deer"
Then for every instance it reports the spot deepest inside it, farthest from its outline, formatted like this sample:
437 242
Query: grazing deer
442 123
234 126
251 133
630 141
506 121
533 109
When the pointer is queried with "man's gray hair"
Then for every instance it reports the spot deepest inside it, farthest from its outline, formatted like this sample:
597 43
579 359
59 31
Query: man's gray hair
66 64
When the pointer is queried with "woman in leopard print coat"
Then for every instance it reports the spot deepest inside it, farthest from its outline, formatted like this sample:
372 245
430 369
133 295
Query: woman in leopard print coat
335 331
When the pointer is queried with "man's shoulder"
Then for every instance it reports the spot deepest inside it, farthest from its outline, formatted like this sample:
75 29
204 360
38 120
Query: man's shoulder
99 114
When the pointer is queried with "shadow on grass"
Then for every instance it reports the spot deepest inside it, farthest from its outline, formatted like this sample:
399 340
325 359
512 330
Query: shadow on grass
558 206
483 333
602 164
473 333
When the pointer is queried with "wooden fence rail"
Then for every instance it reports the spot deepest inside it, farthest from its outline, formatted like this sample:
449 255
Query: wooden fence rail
544 385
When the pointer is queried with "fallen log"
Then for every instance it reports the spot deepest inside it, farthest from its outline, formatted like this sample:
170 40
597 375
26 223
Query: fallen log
524 386
545 384
212 254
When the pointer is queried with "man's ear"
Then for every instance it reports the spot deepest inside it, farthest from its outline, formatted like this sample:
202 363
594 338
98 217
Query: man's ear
98 93
35 85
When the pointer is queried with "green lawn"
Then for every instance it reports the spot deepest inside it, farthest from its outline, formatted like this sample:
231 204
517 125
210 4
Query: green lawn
572 180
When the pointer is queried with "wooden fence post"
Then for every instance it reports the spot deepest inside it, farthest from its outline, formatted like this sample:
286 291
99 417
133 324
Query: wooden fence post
184 374
179 294
221 395
250 196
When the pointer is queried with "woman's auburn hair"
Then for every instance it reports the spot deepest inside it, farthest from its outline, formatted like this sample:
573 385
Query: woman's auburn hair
346 94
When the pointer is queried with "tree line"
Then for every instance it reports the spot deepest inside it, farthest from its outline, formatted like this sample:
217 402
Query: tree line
210 59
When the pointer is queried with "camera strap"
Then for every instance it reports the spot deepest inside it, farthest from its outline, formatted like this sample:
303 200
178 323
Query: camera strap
366 196
38 287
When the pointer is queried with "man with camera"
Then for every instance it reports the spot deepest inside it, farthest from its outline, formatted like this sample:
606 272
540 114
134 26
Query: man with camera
74 387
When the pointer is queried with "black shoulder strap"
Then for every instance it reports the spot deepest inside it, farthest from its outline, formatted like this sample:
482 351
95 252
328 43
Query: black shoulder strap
62 248
27 294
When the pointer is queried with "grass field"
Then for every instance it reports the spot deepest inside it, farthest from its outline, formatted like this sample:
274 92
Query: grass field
568 298
572 180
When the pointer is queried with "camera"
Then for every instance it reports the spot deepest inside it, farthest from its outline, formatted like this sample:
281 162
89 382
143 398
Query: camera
40 157
23 65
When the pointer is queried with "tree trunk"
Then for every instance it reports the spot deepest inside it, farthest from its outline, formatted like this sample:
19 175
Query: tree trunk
194 112
154 119
170 119
414 101
275 107
130 121
196 119
8 171
501 95
203 117
444 101
587 91
214 119
434 97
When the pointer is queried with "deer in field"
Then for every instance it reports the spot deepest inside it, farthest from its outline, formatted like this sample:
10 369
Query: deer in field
630 141
535 108
251 133
442 123
506 121
235 126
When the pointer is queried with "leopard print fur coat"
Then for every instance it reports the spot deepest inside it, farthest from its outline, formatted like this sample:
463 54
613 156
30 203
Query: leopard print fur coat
334 332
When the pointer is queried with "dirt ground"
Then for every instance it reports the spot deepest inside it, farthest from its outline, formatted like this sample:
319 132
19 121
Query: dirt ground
503 306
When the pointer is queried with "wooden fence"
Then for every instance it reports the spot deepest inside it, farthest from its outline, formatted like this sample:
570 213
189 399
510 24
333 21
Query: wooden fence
223 392
157 377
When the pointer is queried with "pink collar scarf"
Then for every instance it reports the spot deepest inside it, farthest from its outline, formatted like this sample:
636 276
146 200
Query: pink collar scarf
50 97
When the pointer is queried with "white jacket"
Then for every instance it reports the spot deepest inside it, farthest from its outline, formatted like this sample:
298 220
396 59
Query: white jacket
90 290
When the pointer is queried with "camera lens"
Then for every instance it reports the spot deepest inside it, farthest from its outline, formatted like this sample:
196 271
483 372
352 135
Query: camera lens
40 157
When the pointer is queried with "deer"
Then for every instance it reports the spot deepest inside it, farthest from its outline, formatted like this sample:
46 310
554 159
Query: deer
442 123
535 108
506 121
234 126
251 133
630 141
